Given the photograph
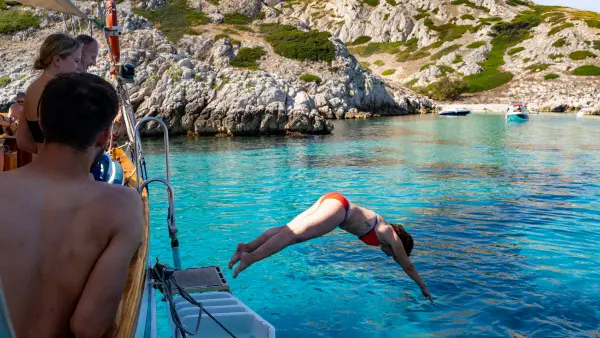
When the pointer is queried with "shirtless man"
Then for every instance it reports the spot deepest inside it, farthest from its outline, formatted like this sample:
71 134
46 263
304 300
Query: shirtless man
67 241
330 211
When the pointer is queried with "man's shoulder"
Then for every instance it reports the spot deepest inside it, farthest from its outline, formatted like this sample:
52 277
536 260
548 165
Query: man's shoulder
118 204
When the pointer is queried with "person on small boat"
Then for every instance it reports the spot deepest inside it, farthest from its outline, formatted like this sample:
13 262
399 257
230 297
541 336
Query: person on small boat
330 211
14 114
59 54
89 51
67 240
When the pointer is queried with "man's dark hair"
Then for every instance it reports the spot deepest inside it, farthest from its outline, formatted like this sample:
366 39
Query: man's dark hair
85 39
75 108
405 237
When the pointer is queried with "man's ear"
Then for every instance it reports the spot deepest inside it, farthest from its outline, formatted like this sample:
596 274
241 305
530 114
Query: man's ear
103 138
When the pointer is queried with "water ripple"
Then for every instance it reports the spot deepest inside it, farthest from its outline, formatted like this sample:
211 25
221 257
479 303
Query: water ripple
505 220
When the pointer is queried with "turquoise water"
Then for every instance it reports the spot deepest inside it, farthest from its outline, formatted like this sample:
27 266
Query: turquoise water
505 219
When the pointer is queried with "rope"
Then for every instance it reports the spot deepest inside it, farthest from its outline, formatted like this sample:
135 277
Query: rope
165 277
65 22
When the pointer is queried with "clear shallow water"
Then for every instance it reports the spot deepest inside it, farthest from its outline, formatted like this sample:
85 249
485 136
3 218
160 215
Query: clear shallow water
505 219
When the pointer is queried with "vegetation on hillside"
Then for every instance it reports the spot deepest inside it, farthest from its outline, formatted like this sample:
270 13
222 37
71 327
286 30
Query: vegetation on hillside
505 35
361 40
15 20
559 43
551 76
587 70
444 89
515 50
290 42
476 44
4 80
247 58
581 55
175 19
310 78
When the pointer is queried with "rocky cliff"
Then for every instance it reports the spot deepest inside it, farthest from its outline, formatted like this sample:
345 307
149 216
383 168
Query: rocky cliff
261 67
210 77
504 50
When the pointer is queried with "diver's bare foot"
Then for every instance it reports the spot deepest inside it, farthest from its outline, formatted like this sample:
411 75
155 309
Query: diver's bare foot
245 261
236 256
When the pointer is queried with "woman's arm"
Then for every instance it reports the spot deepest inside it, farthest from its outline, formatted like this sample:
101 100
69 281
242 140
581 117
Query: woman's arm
392 239
24 139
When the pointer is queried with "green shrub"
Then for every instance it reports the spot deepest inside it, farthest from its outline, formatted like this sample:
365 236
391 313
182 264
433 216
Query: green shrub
371 2
596 44
556 56
227 37
361 40
409 55
593 23
247 58
505 35
310 78
411 82
551 76
388 72
392 2
295 44
444 51
447 89
236 19
423 67
487 80
467 17
490 20
559 43
517 3
526 60
538 67
421 16
581 55
14 20
175 19
433 45
560 28
476 44
377 48
449 31
4 81
554 17
244 28
469 4
365 64
379 63
446 69
458 59
516 50
386 16
587 70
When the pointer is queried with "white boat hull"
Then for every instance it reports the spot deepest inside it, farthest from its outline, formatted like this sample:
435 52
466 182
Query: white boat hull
242 321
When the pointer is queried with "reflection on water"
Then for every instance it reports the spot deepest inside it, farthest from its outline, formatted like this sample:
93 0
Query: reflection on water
504 217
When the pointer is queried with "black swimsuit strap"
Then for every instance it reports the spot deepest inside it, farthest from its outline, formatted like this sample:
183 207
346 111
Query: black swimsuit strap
36 131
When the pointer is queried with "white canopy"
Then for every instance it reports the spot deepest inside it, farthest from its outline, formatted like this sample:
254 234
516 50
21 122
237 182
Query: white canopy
64 6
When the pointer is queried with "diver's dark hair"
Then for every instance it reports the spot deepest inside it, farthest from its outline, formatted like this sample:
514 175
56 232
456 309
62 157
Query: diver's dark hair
405 237
75 108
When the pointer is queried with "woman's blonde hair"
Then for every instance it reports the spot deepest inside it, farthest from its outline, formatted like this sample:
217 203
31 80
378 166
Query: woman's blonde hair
57 44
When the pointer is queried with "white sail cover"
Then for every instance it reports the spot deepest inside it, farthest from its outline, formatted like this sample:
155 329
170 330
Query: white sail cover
64 6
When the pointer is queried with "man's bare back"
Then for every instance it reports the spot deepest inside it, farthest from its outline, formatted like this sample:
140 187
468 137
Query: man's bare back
53 232
67 241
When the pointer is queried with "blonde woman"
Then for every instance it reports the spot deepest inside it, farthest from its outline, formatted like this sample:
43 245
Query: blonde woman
59 54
